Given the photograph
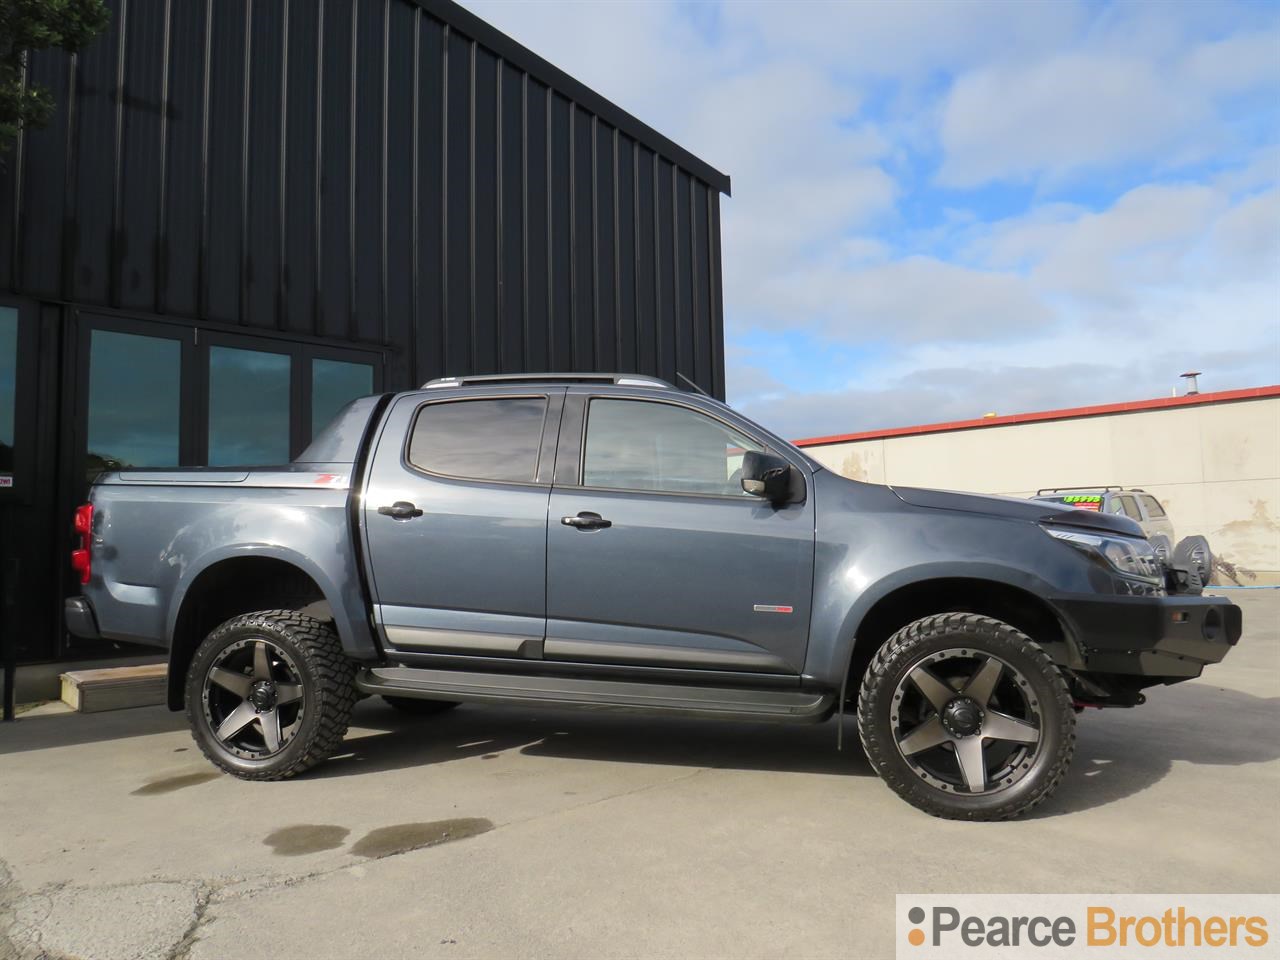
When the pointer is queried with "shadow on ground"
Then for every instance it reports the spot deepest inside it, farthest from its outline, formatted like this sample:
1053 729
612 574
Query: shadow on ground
475 731
1119 753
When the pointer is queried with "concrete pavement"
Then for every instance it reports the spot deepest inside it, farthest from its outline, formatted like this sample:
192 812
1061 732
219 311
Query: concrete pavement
506 832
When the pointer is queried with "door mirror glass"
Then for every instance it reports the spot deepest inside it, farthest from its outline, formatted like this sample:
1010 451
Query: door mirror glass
766 476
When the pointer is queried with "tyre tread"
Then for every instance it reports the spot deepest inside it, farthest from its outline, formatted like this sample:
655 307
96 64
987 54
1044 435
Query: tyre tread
336 693
872 690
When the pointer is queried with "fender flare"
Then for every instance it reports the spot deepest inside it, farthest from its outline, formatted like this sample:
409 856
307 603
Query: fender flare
845 642
347 630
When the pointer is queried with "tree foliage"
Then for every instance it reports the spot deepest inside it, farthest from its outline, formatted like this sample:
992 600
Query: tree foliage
27 25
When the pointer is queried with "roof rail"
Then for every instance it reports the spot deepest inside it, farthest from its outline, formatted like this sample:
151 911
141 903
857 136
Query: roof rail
1040 493
622 379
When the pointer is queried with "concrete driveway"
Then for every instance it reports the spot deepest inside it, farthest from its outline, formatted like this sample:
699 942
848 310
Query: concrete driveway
503 832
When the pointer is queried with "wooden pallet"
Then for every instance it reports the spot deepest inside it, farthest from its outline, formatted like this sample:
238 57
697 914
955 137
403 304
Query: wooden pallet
115 688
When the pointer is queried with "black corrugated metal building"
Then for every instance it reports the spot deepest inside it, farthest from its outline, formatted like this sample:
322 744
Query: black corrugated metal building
246 211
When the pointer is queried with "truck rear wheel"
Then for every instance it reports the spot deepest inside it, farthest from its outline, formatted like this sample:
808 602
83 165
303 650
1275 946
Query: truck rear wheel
966 718
270 694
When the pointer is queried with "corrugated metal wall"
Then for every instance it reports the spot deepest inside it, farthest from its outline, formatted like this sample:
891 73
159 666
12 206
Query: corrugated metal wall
375 171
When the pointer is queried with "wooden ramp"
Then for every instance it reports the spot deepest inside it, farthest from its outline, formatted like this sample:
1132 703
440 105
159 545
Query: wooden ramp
115 688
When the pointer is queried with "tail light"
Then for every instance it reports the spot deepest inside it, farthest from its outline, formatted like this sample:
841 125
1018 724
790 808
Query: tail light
80 558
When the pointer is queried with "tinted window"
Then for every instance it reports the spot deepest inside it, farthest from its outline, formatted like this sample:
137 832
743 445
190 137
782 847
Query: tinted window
637 445
334 383
1130 508
248 407
480 439
133 401
1153 507
8 383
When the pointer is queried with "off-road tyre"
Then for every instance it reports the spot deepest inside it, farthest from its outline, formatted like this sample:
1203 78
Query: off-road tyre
418 707
1198 546
326 676
904 651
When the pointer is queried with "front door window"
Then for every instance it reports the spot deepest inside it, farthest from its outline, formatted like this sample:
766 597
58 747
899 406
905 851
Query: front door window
639 445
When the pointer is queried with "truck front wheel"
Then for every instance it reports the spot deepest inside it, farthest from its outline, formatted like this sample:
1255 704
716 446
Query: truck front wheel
966 718
270 694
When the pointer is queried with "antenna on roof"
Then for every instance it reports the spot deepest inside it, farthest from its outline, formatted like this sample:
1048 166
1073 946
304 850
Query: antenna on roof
1193 385
694 385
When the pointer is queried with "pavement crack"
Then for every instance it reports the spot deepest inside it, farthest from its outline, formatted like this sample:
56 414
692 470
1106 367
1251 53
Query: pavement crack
182 949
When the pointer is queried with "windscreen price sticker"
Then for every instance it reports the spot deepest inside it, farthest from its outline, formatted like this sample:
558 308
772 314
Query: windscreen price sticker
937 926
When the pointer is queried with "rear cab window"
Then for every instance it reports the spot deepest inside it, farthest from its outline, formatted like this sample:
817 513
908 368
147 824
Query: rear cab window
497 439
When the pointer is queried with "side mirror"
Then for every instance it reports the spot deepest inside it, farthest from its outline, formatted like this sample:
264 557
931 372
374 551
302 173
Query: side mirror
767 476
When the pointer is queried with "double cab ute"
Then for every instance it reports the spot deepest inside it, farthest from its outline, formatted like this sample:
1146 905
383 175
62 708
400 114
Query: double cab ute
611 542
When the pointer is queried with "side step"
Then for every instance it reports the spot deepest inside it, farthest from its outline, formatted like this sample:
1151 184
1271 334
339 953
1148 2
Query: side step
729 703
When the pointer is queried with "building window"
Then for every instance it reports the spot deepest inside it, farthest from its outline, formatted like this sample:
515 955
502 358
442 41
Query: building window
8 385
134 400
334 384
248 407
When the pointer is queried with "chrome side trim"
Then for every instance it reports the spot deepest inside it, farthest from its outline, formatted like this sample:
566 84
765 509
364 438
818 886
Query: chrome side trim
457 641
656 654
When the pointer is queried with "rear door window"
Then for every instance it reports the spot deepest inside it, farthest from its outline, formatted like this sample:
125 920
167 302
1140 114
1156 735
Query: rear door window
1153 508
494 438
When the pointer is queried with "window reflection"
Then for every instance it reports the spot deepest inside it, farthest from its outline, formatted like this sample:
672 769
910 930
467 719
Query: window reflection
480 439
334 383
636 445
133 401
248 407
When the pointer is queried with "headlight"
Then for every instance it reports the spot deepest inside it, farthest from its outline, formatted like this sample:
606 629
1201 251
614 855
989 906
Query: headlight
1133 560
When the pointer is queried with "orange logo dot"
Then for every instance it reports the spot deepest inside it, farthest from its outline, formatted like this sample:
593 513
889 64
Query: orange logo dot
916 937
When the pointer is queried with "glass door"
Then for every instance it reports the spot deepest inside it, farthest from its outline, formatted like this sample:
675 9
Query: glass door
250 403
138 408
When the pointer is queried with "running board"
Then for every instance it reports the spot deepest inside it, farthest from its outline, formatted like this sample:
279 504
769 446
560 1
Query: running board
728 703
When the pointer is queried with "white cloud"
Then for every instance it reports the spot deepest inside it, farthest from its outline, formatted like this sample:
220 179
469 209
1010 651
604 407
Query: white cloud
1130 93
1132 152
1058 115
904 301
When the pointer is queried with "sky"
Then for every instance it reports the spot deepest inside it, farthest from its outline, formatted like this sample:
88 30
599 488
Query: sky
946 209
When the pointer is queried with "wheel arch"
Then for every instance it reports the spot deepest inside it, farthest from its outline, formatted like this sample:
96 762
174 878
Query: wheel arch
235 584
1000 599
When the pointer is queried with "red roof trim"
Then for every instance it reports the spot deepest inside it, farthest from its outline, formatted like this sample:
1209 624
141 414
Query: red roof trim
1070 413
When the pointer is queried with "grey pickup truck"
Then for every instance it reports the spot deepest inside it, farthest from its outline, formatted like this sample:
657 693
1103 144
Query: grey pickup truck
614 543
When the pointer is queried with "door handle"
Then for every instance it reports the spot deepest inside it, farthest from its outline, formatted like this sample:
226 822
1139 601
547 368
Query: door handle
587 521
400 510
